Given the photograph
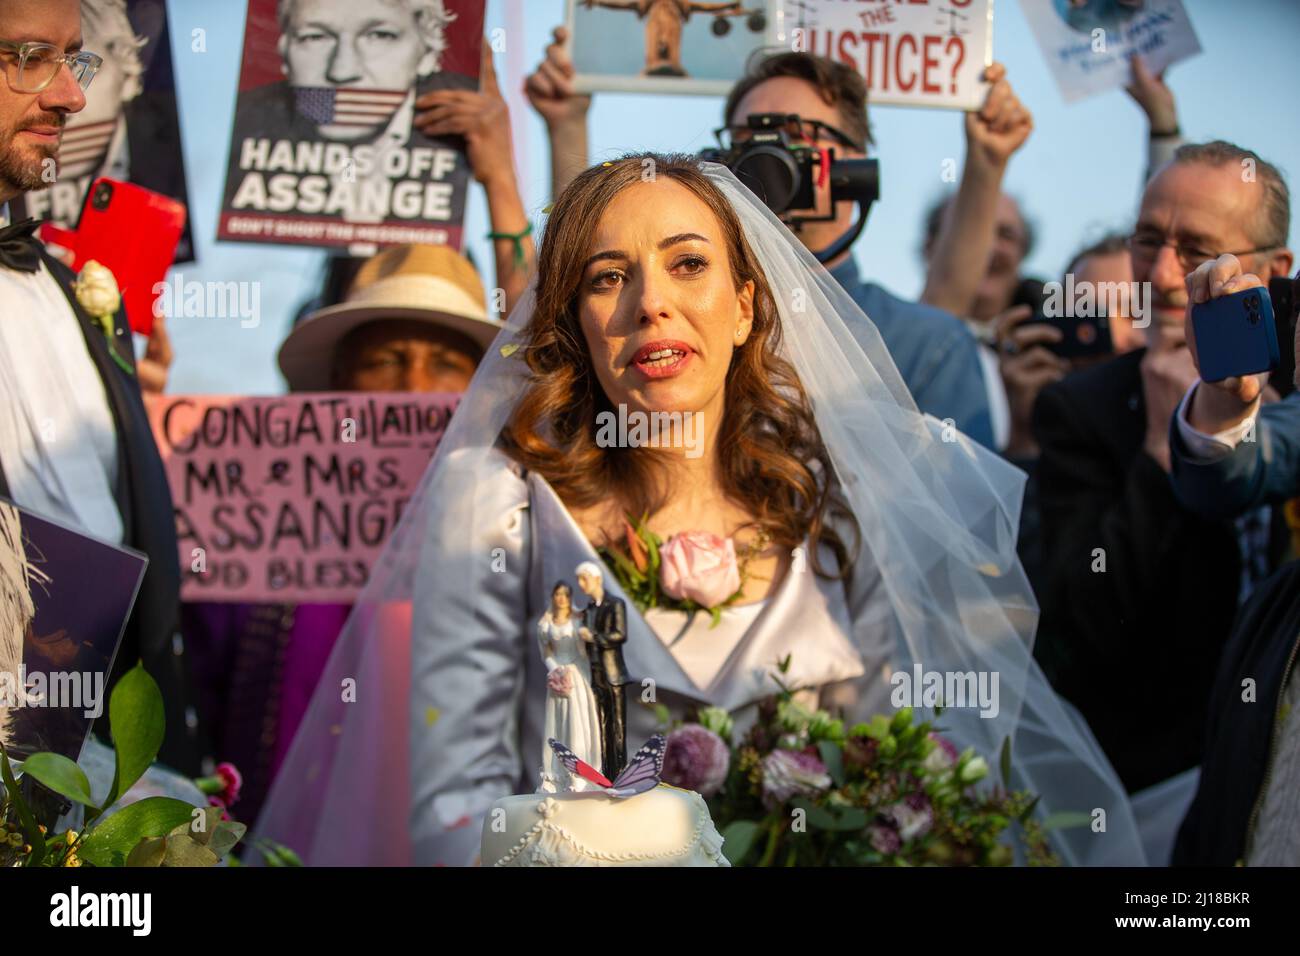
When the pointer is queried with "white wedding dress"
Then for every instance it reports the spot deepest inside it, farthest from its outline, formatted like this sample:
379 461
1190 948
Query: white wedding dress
571 719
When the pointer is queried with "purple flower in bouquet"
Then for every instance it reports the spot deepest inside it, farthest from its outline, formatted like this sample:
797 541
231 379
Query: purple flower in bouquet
912 816
696 759
884 838
790 773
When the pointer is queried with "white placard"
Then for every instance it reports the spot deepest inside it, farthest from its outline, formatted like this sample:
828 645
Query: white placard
1088 43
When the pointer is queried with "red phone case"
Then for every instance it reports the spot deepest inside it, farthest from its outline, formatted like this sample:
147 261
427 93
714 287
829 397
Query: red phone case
131 231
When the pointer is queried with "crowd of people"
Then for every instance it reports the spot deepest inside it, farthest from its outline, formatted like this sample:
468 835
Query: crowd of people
1159 524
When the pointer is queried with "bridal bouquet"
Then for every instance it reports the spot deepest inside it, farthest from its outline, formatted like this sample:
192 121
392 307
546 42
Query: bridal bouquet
801 789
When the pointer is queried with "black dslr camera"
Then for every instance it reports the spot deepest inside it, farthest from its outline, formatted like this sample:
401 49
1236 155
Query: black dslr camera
778 161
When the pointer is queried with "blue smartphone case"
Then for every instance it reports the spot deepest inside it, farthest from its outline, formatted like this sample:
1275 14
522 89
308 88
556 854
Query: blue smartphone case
1235 335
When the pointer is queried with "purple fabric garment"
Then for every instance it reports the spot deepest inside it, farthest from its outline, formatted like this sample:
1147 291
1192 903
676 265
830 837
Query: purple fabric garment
255 667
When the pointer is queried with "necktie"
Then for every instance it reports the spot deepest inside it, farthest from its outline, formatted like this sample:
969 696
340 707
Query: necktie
19 247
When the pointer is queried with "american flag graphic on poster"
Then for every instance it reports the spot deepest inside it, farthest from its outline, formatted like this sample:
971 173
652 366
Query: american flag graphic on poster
347 107
85 147
325 150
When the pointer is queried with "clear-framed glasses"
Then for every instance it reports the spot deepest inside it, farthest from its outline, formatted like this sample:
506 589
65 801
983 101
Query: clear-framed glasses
31 67
1146 245
800 130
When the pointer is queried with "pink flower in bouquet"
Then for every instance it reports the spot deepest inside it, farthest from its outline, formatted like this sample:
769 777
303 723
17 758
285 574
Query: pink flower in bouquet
912 817
787 774
884 839
700 567
696 759
233 781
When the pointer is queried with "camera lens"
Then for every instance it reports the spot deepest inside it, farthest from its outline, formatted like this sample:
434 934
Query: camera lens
770 174
103 196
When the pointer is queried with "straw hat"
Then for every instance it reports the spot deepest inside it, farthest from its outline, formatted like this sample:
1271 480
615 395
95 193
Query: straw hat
433 284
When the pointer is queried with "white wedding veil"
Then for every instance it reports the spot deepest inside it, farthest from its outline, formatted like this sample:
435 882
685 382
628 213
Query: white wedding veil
938 516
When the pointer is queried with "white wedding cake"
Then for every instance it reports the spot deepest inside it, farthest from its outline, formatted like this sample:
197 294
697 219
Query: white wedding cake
664 826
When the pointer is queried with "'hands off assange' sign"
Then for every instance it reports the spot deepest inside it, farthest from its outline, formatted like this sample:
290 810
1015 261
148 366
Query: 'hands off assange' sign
291 499
324 150
913 53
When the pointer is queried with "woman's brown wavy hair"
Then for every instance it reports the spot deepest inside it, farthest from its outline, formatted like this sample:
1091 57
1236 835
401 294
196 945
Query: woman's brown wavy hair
771 455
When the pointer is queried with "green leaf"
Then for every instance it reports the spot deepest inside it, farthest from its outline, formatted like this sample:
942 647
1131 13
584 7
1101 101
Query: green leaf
225 836
135 712
738 839
1005 762
25 819
122 832
833 757
851 818
148 852
187 852
1026 813
61 775
1067 819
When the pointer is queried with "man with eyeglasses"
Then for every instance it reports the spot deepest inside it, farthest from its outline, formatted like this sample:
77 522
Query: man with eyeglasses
75 443
1139 592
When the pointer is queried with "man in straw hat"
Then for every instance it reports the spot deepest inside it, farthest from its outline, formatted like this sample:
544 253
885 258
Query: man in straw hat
415 320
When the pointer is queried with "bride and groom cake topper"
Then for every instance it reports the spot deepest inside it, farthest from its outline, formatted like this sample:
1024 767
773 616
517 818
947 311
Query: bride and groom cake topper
585 676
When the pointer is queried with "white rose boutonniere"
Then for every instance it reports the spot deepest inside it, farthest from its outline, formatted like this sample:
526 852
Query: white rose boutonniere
97 293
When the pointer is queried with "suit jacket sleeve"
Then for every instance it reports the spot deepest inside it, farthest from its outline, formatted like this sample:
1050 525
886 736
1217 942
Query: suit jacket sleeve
1087 504
1265 471
468 659
618 633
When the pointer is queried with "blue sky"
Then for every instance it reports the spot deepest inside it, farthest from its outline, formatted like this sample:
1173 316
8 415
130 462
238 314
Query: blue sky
1079 175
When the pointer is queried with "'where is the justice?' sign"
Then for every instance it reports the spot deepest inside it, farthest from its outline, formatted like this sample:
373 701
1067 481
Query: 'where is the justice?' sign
911 52
324 151
291 499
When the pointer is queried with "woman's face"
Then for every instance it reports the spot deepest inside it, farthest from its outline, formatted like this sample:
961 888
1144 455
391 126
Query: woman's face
560 599
657 305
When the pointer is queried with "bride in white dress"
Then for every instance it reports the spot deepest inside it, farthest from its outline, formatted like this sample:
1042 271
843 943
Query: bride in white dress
571 716
892 538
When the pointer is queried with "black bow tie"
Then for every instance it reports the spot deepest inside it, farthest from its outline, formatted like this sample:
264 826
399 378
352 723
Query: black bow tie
19 247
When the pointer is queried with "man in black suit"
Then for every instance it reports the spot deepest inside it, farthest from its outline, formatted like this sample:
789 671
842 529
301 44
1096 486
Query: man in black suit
604 629
1138 592
75 442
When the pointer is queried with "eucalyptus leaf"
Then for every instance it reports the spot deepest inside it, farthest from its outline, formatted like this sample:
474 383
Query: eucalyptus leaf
224 838
738 839
148 852
187 852
1005 762
121 832
135 712
833 758
1067 819
61 775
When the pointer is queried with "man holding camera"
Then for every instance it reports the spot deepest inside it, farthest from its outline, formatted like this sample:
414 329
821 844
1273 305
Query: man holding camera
1230 456
1138 591
75 442
801 104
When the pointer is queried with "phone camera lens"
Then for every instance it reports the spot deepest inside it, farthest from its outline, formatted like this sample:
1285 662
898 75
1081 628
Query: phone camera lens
103 196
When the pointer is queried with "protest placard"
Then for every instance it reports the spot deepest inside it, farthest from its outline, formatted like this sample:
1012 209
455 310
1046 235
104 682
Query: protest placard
918 53
290 499
64 602
324 151
666 46
129 130
1088 43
